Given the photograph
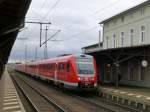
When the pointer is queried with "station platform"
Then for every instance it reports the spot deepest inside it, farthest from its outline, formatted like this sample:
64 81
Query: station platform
135 97
9 99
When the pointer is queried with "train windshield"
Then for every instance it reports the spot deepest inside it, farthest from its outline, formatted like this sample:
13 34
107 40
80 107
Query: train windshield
85 66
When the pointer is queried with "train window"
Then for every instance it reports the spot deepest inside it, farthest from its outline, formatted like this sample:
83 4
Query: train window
68 67
61 67
45 67
85 66
50 66
53 66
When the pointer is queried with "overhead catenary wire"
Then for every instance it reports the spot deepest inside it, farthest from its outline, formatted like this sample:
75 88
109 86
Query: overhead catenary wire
101 10
46 14
38 15
51 9
86 31
51 37
112 6
80 33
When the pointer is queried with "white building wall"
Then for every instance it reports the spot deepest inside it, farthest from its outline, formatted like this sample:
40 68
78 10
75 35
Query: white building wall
132 20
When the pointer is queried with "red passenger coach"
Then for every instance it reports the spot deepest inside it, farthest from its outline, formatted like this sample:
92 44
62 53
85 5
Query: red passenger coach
72 71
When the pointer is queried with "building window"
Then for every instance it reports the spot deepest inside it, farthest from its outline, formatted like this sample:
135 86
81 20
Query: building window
107 41
131 35
122 39
114 41
107 25
115 22
122 19
142 11
132 15
142 34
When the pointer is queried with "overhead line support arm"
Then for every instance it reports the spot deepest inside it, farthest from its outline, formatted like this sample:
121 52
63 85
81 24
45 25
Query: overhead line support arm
40 23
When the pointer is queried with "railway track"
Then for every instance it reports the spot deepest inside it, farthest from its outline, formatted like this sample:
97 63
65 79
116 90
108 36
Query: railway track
91 103
34 97
110 105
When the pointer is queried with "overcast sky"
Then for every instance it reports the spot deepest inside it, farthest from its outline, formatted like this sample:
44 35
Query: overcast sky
77 19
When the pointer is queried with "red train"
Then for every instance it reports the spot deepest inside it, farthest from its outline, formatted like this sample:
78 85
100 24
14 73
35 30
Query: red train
72 71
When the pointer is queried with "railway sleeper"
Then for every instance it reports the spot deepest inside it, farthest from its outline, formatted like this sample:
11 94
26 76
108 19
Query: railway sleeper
147 108
115 99
133 104
126 101
120 101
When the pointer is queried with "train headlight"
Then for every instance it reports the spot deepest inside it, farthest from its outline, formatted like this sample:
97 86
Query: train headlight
92 78
79 78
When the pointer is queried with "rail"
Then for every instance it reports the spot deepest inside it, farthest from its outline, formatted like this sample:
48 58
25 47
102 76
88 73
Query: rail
34 96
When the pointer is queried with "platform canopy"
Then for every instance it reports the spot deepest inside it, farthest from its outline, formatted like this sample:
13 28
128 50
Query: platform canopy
12 16
117 54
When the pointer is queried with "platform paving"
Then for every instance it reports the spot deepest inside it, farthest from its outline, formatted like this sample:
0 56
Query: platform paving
9 99
132 96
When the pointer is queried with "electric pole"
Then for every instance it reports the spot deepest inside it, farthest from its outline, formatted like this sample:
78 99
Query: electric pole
41 24
45 50
25 53
35 53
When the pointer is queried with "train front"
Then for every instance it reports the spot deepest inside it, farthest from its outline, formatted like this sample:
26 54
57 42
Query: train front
86 72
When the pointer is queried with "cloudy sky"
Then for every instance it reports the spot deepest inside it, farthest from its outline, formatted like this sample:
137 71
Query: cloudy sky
77 19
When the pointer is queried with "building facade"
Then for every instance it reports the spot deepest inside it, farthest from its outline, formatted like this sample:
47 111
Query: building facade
130 28
124 55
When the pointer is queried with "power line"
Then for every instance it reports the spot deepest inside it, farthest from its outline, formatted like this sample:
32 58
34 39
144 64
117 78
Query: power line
86 31
51 9
93 13
81 33
40 23
38 15
104 8
51 37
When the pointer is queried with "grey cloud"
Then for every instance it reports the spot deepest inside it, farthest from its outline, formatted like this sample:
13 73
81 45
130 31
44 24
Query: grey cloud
74 18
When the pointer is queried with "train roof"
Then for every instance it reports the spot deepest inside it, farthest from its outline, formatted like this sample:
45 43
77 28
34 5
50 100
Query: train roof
65 58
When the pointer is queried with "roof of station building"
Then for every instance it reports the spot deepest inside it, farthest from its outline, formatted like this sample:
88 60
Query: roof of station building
126 11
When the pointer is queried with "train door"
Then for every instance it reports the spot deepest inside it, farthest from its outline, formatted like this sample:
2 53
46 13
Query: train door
55 74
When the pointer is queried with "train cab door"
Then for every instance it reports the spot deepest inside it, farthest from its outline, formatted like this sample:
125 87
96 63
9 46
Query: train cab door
55 74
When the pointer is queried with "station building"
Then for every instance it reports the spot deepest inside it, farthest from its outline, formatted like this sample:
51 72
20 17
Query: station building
123 57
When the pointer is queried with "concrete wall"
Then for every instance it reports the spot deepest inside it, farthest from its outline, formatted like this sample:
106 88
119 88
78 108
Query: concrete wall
132 20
